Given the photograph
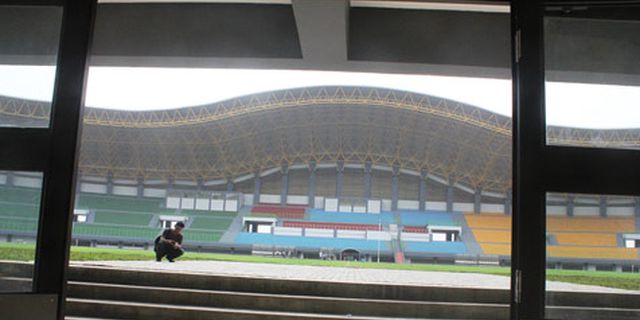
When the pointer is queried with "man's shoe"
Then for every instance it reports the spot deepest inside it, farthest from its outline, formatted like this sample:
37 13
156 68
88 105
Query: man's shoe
170 260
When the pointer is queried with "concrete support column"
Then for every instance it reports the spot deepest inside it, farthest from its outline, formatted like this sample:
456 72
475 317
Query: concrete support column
312 184
257 184
637 207
570 205
422 190
450 194
109 183
367 180
140 187
394 187
170 184
339 178
230 185
285 184
200 184
477 201
508 203
10 176
603 206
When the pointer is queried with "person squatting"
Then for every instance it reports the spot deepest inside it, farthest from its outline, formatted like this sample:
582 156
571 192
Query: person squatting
169 243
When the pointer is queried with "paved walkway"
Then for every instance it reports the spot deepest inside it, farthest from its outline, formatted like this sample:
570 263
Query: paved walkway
336 274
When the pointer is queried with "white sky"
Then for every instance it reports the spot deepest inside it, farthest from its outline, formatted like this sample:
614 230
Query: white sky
568 104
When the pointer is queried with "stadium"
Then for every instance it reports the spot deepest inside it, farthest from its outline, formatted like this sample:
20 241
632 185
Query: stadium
344 173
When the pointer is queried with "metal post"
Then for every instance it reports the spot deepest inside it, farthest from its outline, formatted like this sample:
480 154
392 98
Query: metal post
56 211
529 137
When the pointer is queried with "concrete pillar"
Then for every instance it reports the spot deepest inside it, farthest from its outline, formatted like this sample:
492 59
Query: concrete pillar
395 178
170 184
450 195
603 206
284 191
637 207
570 205
140 186
10 177
477 201
367 180
230 185
339 178
109 183
312 184
508 203
422 190
256 187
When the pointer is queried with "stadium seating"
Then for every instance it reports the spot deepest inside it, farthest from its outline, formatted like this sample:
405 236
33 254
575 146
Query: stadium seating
488 221
492 236
588 239
435 247
118 203
414 229
327 225
311 242
20 195
384 218
289 212
138 233
122 218
593 252
414 218
211 223
584 224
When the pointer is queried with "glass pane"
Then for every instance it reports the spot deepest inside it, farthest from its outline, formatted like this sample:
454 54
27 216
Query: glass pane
339 164
593 258
593 77
28 49
19 214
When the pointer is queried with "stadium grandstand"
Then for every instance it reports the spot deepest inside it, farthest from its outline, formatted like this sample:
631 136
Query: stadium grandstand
322 172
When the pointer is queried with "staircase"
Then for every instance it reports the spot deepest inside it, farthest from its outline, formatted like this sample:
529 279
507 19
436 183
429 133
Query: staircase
107 293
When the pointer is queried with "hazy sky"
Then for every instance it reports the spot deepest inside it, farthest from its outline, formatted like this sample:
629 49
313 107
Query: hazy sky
568 104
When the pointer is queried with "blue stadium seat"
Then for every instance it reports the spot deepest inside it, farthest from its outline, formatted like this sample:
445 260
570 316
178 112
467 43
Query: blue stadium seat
417 218
435 247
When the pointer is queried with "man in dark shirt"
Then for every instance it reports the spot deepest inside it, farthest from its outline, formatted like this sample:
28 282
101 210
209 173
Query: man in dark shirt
169 244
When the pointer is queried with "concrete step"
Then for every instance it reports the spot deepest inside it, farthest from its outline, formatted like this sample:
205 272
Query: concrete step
15 284
287 303
143 311
290 287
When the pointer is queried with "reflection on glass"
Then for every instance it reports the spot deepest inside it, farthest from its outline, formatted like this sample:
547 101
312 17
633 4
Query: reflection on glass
19 213
593 81
592 250
28 48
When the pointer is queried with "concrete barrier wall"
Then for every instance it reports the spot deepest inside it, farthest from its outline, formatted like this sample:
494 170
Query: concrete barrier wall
154 193
286 231
418 237
351 234
125 191
378 235
93 188
318 233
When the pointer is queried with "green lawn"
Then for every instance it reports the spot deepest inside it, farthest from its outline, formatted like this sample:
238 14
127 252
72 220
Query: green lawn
622 280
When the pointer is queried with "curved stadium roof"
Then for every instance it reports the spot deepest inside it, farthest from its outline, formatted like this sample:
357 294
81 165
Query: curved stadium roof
325 124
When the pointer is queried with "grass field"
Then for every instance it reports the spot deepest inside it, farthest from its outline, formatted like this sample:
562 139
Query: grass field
630 281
